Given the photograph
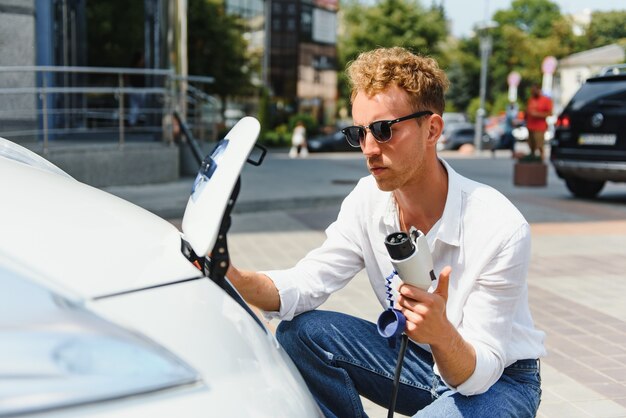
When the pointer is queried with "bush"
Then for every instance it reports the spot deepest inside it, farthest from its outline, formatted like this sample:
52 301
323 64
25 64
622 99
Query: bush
279 137
530 158
311 125
473 107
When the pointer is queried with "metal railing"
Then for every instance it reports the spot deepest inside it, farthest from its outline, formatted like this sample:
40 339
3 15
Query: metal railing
43 103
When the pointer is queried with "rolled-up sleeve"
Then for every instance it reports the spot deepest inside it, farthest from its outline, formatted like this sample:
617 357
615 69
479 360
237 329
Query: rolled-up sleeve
489 312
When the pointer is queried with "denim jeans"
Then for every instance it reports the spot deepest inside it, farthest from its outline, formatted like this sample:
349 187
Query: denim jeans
342 357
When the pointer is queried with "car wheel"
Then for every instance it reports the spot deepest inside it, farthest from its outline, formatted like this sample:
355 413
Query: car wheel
584 188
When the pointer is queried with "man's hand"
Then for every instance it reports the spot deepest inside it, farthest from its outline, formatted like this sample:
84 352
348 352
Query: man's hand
426 312
427 323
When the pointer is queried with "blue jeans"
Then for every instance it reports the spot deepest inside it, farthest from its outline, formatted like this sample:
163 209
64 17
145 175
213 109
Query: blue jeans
342 357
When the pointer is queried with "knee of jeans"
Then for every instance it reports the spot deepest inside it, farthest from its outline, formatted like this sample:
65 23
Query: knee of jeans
301 329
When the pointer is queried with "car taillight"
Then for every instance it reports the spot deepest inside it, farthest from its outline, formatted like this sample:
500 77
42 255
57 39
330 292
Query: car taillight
562 121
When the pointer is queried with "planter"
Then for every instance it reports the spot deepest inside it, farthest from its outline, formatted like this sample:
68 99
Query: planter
530 174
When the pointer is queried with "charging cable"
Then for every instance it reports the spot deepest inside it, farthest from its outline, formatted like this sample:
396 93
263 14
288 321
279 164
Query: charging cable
413 263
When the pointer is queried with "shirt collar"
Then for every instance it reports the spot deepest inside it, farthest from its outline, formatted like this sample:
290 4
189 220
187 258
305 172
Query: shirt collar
449 226
449 230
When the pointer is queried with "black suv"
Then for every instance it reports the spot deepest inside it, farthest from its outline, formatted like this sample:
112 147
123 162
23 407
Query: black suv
589 145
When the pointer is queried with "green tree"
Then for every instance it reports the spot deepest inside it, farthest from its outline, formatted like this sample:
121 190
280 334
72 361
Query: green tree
388 23
606 28
463 73
525 34
216 48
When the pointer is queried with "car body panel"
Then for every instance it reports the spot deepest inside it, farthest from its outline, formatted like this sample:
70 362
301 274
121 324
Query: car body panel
115 245
228 346
125 265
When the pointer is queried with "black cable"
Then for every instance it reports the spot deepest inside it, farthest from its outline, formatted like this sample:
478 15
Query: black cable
396 378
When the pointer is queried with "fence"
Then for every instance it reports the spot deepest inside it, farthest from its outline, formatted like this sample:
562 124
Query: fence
43 103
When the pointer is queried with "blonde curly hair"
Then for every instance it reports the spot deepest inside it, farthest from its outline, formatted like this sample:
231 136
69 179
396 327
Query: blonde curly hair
375 71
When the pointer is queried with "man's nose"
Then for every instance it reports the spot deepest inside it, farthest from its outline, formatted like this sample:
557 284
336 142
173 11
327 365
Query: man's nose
369 146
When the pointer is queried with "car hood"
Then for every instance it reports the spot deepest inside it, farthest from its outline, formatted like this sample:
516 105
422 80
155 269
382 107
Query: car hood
84 240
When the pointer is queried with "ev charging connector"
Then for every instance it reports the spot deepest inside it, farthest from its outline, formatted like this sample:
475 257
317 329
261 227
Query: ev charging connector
413 263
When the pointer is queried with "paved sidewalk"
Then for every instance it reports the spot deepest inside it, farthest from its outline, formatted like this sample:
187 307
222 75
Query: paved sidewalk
576 279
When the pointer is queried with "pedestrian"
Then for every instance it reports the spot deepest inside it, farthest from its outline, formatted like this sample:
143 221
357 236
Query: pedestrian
539 107
136 99
473 347
510 122
298 141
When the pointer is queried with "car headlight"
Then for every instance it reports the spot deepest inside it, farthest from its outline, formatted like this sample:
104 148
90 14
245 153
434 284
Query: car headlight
55 353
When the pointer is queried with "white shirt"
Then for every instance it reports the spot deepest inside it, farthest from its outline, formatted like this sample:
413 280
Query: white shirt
481 235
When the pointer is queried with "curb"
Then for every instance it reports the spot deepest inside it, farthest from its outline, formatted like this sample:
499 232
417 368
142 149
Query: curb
255 206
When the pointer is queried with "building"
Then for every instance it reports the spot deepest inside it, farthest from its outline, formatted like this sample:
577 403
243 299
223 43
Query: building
303 56
574 69
299 52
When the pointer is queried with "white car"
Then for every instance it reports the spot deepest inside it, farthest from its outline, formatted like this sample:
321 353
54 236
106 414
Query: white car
103 314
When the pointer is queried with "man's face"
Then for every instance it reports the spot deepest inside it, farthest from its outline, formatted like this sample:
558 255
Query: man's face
535 91
400 161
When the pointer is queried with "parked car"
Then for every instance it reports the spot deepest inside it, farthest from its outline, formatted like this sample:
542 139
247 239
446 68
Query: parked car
453 117
456 135
589 145
107 310
334 141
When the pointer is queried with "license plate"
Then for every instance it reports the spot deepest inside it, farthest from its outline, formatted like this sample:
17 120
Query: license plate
597 139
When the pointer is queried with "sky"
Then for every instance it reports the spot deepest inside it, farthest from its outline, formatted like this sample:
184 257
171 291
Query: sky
464 14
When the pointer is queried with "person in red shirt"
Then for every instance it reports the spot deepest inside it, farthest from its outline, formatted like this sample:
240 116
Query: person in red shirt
539 107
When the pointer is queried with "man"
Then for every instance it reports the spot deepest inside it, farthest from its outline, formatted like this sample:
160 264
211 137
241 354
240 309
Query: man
539 107
473 348
510 121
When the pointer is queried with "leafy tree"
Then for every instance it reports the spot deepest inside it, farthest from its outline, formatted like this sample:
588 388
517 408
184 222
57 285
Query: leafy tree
606 28
216 48
463 73
525 34
534 17
110 46
388 23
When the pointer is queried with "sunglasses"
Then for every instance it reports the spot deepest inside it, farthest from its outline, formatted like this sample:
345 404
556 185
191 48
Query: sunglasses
381 129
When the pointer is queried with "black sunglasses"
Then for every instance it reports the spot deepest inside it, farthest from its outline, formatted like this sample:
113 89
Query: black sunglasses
381 129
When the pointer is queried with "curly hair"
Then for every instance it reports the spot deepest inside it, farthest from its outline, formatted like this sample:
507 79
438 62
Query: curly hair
375 71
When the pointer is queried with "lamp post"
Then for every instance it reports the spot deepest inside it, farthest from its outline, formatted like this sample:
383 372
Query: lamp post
485 51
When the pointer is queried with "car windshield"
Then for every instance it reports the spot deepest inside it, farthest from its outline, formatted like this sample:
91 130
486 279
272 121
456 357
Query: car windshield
602 92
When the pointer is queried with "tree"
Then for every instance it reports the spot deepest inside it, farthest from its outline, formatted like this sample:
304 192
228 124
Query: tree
526 33
535 17
606 28
217 48
463 73
389 23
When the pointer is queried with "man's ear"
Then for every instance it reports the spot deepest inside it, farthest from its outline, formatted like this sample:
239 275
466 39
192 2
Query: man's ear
435 128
